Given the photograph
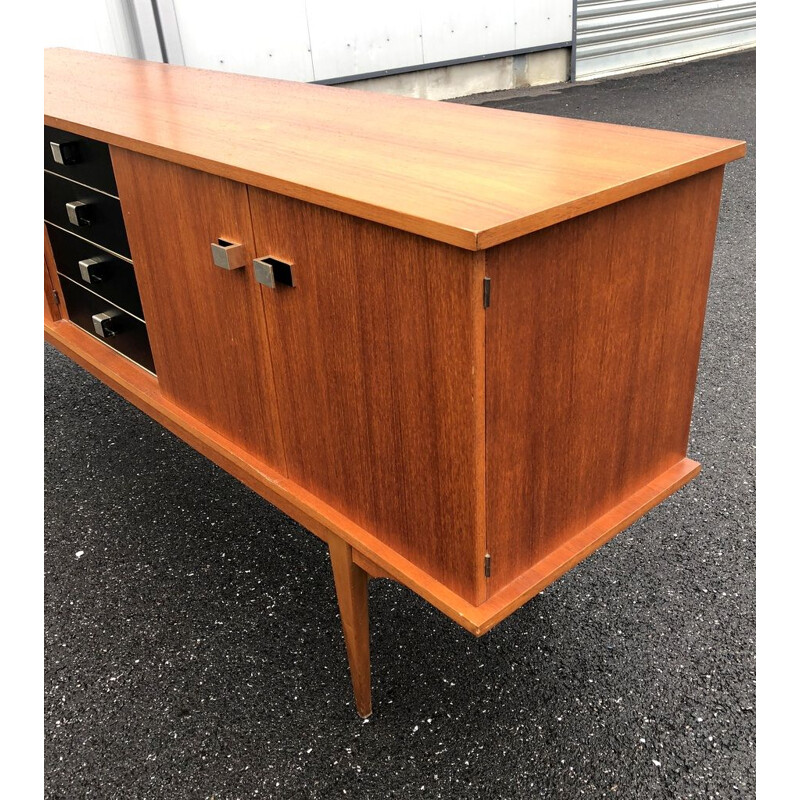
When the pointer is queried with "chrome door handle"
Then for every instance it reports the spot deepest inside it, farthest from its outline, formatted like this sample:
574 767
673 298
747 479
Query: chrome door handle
270 271
227 255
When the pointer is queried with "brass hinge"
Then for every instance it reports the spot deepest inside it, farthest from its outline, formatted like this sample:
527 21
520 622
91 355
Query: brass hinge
56 298
487 292
487 565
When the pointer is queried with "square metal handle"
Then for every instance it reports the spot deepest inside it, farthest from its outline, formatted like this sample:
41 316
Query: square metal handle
79 213
66 153
227 255
270 271
91 269
107 323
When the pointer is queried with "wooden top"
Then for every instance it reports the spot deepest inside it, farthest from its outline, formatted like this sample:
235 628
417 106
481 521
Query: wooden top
470 176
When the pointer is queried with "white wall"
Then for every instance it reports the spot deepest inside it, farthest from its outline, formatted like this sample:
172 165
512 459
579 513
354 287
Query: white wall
309 40
306 40
100 26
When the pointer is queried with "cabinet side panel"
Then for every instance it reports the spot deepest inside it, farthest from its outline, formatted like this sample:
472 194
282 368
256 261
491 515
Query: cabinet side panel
52 289
205 324
374 351
593 341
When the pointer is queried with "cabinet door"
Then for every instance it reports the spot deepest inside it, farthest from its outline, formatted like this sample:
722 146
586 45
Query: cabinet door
206 324
377 353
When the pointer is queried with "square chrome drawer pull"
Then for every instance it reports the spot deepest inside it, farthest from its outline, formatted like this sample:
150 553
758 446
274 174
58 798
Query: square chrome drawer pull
107 323
66 153
79 213
91 269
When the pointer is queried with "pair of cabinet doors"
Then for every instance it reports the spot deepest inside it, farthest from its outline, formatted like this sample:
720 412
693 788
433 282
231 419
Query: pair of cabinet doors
359 383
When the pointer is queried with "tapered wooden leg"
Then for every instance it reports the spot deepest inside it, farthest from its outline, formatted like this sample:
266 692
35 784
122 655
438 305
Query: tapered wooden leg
351 590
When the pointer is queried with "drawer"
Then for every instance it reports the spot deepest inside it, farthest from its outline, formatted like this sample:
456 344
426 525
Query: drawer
103 273
127 334
96 216
85 160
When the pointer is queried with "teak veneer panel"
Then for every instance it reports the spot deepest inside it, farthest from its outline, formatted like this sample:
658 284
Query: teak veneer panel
593 341
470 176
142 389
378 361
205 324
351 590
52 288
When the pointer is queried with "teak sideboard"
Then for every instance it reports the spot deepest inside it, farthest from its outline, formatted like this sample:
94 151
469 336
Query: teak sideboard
458 344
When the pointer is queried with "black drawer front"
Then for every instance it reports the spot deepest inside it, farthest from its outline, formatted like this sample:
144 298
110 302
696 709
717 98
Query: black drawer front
86 160
130 338
102 213
103 273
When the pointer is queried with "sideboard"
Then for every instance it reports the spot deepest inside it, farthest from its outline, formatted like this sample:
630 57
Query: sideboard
458 344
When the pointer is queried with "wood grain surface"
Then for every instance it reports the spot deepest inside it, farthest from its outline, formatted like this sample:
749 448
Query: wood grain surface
369 566
378 361
471 176
52 288
593 341
142 389
529 583
351 592
205 324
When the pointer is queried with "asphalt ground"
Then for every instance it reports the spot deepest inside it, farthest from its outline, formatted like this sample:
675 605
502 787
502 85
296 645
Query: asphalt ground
193 650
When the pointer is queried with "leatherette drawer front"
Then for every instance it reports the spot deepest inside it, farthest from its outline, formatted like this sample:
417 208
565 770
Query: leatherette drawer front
103 273
84 160
92 215
130 337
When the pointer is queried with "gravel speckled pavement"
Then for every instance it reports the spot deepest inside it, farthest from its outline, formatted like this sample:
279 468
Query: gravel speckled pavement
193 650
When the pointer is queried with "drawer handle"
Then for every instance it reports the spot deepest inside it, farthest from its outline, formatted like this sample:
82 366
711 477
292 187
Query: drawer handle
107 323
92 269
227 255
270 271
79 213
66 153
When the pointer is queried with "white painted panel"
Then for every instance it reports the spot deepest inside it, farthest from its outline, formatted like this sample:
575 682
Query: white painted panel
351 38
99 26
254 37
542 22
147 26
324 39
454 29
457 29
170 33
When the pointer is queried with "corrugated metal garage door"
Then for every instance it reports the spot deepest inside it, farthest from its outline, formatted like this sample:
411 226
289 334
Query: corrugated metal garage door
618 35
